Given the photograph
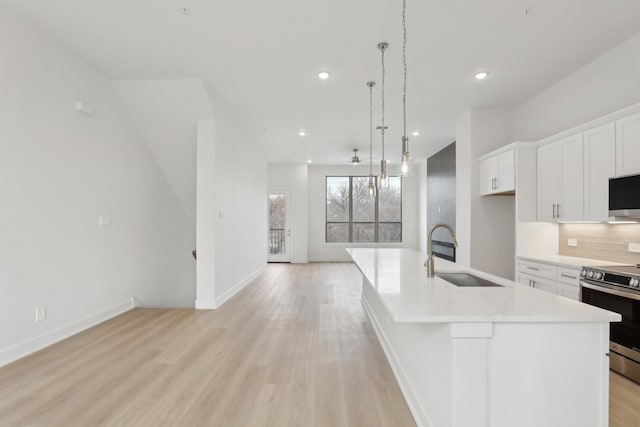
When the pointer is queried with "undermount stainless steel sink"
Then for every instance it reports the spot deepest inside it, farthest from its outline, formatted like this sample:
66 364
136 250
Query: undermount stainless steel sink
465 279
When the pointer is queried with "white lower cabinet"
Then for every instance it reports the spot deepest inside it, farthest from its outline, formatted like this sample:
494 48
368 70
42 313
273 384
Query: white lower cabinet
537 282
560 280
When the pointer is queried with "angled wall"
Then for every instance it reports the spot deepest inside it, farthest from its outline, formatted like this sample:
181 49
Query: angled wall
61 170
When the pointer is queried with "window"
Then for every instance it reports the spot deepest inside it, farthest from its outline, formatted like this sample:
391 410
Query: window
353 216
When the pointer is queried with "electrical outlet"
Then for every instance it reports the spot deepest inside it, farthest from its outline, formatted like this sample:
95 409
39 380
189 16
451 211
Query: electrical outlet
41 314
634 247
572 242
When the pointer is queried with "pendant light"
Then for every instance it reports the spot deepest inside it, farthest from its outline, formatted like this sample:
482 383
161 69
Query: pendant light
372 180
406 163
355 160
383 182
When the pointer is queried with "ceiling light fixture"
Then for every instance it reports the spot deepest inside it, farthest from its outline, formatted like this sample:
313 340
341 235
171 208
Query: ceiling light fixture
355 160
481 75
324 75
301 132
309 161
416 133
383 182
372 181
185 11
406 164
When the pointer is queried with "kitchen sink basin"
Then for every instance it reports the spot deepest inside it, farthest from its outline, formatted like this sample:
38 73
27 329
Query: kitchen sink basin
465 279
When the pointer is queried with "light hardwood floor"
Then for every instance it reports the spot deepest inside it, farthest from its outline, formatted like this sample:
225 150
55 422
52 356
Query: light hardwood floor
295 348
292 349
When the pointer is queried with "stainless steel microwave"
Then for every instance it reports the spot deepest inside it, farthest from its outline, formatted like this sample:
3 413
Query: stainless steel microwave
624 197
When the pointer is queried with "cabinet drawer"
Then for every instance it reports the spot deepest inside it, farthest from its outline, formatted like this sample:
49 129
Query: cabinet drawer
569 276
538 269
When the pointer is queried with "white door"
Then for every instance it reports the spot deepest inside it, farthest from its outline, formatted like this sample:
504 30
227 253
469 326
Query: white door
279 238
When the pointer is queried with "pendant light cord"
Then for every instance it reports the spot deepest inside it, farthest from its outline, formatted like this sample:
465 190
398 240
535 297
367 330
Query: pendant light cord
382 128
404 64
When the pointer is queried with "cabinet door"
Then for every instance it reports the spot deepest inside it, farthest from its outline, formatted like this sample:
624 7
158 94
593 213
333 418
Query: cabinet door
525 279
506 172
545 284
628 145
571 174
599 166
547 181
487 170
569 291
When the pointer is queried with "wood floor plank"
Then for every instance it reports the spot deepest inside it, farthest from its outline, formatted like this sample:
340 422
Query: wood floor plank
292 349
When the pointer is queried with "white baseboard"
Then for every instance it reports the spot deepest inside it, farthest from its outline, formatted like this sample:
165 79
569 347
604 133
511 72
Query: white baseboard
28 347
205 305
418 412
238 287
331 259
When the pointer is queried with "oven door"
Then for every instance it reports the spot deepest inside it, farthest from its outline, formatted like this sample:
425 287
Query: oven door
625 335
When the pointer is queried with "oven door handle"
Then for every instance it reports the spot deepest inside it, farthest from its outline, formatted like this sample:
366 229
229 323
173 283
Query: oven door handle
610 291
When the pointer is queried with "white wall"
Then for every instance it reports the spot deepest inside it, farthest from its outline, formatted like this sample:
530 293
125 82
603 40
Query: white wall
319 250
293 177
241 202
59 171
607 84
485 225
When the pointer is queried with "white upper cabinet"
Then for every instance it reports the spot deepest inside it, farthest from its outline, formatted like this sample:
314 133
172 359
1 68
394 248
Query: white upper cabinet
560 174
628 145
571 172
547 182
599 166
497 173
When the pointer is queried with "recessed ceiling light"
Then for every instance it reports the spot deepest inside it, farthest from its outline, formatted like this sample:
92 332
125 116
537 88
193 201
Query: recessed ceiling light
309 161
185 11
482 75
301 132
324 75
416 133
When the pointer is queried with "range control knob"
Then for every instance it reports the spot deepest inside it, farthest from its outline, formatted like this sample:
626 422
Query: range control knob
634 282
583 272
589 274
598 275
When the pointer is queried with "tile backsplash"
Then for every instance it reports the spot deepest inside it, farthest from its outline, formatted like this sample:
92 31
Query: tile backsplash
607 242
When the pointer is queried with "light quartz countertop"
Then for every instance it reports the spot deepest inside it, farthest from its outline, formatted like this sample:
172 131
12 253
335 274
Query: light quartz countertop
399 279
568 261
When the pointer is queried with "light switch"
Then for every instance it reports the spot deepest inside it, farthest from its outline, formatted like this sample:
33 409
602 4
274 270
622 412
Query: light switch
104 221
572 242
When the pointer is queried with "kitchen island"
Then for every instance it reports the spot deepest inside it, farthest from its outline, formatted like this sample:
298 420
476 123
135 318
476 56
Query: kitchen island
486 356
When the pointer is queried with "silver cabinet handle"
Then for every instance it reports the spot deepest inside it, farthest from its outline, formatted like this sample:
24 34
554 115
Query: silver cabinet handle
496 179
558 210
529 282
533 268
554 211
568 276
534 283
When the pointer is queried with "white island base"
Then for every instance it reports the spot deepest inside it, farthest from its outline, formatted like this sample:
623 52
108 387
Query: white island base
507 356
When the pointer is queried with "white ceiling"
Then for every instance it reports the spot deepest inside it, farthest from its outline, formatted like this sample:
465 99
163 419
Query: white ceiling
263 56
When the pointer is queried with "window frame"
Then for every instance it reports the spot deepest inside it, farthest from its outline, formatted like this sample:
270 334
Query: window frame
350 223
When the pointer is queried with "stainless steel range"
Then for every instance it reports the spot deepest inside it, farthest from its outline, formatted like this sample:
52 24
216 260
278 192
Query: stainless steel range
617 288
